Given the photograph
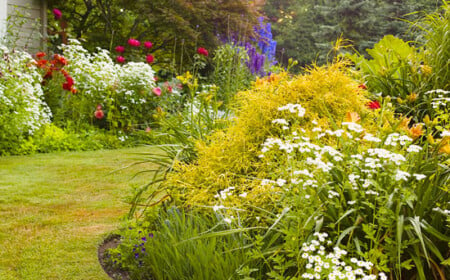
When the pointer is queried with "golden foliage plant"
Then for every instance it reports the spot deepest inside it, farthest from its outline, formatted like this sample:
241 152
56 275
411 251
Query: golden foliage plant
230 158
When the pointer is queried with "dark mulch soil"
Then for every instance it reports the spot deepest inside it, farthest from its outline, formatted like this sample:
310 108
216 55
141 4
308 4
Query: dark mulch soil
111 242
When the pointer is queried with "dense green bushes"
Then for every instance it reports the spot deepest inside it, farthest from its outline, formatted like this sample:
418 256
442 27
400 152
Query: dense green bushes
321 176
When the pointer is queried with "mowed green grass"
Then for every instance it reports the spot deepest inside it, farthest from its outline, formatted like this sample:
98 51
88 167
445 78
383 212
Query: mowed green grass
55 209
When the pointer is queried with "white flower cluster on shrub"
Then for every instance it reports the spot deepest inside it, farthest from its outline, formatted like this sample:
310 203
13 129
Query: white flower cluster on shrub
323 264
98 78
22 109
96 73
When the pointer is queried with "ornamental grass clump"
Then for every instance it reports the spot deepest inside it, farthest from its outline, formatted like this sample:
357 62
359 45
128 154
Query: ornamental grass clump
181 245
230 157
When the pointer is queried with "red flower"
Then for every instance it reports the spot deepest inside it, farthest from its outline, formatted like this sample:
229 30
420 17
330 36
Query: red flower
59 59
99 114
157 91
149 58
68 84
134 43
40 55
148 45
64 72
48 75
120 49
42 63
169 88
373 105
202 51
120 59
362 86
57 14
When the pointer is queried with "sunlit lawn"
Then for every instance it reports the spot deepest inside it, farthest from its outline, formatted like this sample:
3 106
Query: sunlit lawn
55 209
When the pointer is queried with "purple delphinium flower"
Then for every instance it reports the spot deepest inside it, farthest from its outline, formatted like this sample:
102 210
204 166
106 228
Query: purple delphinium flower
266 43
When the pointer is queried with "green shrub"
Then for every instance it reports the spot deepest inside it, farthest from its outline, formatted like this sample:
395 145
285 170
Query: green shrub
231 73
52 139
230 157
406 73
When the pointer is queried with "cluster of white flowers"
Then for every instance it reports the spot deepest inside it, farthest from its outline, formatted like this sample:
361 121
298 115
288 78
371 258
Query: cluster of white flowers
442 99
283 122
370 138
353 126
96 74
318 159
294 108
22 109
223 194
394 138
323 264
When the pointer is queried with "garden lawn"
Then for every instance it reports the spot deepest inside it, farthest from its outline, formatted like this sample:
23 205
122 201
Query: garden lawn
55 209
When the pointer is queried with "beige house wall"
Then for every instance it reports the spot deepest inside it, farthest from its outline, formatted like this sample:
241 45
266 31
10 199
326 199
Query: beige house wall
27 23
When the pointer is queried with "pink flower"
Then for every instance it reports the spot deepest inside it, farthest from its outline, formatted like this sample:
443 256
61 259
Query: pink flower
57 14
148 45
99 114
148 129
157 91
120 59
120 49
149 58
169 88
373 105
202 51
134 43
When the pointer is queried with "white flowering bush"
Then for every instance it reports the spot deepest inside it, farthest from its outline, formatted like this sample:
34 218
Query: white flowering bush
22 110
324 263
126 93
382 195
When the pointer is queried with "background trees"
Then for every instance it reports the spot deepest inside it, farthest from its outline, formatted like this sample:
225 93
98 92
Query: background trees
305 29
174 26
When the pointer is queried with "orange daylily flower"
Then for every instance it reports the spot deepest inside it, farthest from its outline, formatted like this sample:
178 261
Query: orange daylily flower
416 131
404 125
445 149
412 97
352 117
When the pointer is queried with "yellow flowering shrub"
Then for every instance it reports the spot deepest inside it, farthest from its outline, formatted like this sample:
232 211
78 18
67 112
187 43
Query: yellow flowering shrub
230 158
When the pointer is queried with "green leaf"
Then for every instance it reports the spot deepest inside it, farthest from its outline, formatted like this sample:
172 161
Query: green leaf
344 233
417 228
400 223
345 215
